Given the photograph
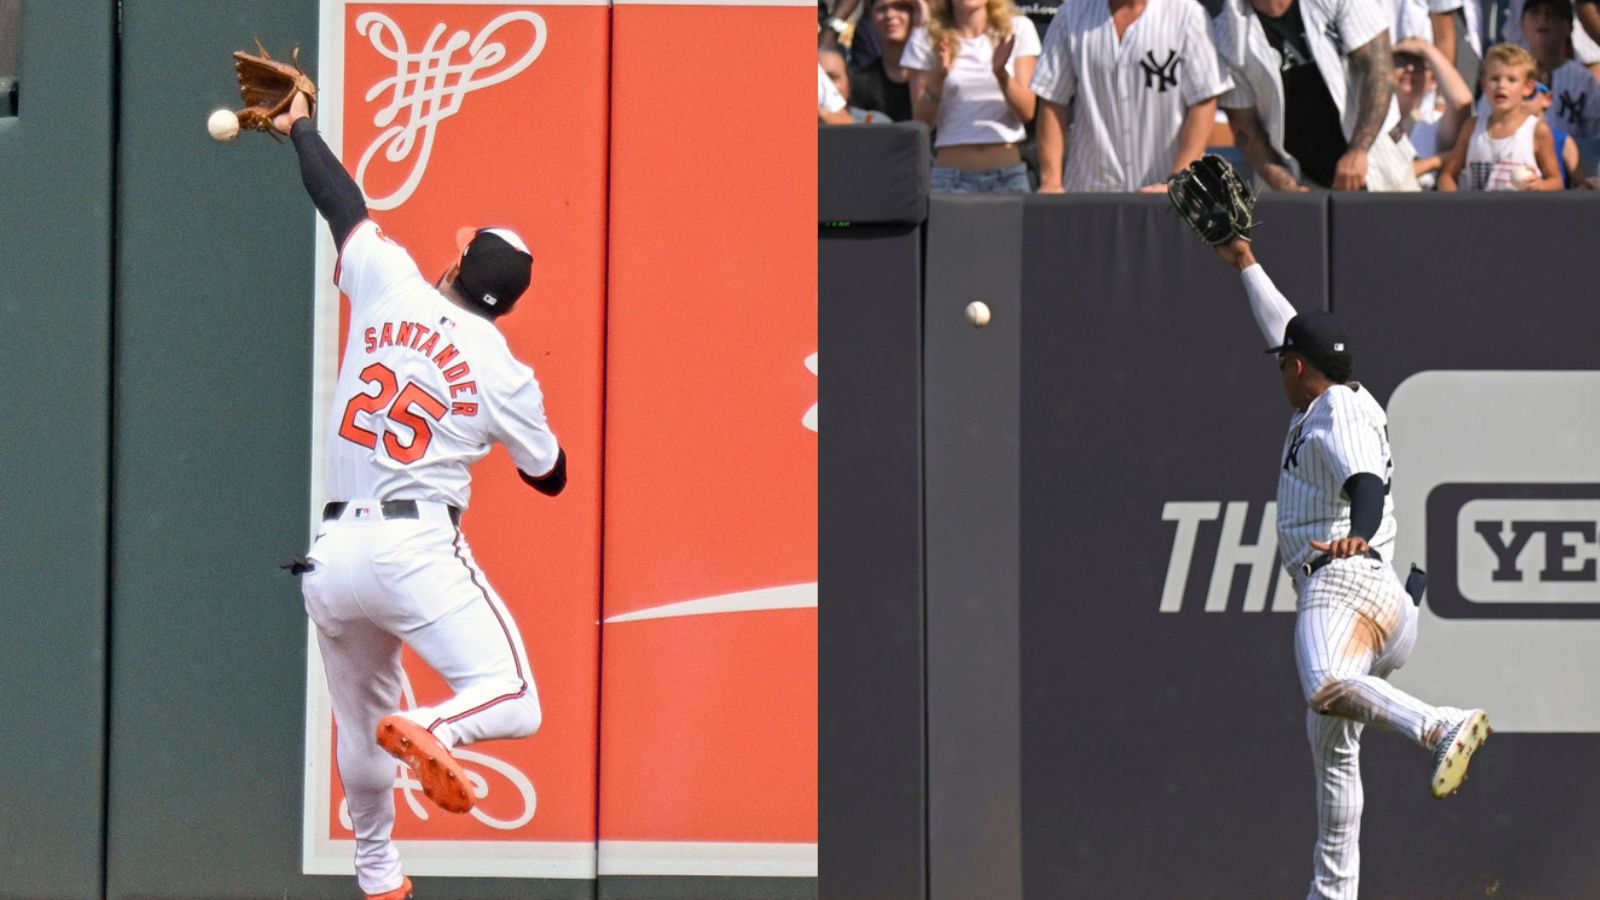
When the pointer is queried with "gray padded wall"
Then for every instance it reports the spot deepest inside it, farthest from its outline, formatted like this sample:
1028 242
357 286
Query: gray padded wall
1163 754
55 321
1520 824
971 447
872 801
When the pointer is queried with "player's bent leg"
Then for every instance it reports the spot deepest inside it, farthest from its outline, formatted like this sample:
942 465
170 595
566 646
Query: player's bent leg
1338 643
1336 759
478 650
460 627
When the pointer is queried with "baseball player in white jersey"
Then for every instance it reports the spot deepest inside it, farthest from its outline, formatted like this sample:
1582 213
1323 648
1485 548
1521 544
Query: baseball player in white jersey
1143 78
1354 622
426 385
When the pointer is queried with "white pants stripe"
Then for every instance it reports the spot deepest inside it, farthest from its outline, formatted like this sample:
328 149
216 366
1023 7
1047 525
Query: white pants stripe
380 584
1354 626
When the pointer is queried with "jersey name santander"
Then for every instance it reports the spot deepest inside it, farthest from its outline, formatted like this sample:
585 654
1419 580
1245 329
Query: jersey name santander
1343 432
425 387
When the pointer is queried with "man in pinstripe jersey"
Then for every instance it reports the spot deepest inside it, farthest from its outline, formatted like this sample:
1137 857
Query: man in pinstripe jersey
1142 79
1354 622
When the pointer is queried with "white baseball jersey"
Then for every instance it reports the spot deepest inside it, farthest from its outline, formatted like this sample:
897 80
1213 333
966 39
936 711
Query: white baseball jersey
1343 432
1333 29
425 387
1129 94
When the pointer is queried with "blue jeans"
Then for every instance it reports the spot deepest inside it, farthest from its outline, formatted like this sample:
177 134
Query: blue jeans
1007 180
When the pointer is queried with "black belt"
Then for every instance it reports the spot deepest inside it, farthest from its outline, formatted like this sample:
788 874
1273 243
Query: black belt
1307 569
392 509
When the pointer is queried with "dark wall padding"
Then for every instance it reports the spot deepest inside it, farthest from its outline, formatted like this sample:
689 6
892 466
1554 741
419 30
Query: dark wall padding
55 337
873 173
870 563
1163 754
1498 290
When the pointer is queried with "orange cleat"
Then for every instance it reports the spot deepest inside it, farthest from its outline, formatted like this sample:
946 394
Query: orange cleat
403 892
443 779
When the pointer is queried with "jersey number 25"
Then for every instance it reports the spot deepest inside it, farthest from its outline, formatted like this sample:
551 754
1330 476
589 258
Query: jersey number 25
399 411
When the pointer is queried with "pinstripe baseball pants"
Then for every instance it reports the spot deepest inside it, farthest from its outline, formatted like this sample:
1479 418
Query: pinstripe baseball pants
1354 625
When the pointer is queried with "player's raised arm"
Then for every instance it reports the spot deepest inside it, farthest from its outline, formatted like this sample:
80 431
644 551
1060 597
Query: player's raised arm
1271 309
1217 204
335 193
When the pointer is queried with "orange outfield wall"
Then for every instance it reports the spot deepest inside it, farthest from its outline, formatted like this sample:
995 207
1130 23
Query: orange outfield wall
709 719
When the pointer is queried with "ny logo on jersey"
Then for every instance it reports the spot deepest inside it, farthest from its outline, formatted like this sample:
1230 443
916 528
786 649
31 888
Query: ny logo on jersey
1291 458
1331 32
1572 107
1160 75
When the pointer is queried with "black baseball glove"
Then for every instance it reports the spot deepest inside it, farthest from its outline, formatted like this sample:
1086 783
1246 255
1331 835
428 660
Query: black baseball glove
1213 199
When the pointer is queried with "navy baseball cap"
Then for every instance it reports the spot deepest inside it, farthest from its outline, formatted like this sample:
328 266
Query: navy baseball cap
496 267
1317 336
1561 8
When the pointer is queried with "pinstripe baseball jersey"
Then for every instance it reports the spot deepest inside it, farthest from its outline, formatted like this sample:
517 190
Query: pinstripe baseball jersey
1342 433
1130 93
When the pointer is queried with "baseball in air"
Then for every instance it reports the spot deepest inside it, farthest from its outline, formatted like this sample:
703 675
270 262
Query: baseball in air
977 314
223 125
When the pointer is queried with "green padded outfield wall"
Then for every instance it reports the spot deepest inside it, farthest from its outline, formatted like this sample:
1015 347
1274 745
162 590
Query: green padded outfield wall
55 321
212 453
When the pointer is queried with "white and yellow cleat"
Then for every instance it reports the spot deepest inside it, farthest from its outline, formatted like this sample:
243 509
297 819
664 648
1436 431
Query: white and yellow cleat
1455 750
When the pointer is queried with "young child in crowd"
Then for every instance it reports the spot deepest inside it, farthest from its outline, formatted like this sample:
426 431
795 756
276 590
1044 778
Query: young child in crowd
1511 148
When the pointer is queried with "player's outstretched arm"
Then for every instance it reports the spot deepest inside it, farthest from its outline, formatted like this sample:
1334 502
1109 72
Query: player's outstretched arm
335 193
1271 309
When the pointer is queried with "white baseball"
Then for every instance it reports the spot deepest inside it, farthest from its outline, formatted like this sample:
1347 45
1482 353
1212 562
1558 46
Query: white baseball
1523 176
977 314
223 125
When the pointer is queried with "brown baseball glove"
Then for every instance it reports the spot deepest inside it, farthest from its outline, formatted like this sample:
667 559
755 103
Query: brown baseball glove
268 86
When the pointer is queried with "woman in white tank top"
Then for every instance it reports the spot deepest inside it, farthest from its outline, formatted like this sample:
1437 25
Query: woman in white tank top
1510 149
970 67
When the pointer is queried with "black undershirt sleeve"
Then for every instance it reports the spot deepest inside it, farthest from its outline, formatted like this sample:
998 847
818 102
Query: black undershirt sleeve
1365 491
331 188
553 482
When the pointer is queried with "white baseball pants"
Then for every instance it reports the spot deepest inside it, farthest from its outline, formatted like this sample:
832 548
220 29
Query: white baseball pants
1354 625
378 583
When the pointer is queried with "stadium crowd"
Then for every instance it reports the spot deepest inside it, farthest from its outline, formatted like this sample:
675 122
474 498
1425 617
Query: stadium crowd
1115 95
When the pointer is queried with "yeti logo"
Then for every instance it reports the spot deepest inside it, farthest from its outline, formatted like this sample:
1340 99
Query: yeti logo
1515 551
1500 501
